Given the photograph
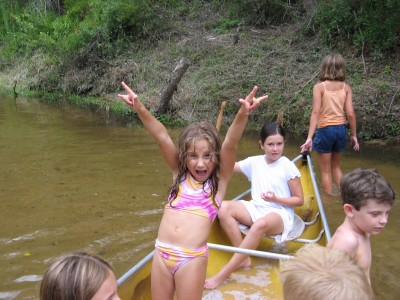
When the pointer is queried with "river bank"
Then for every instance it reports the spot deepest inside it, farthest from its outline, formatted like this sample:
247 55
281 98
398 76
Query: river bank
224 65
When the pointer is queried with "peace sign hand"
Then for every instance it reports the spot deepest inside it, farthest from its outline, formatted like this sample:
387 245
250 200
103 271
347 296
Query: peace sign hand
131 98
250 102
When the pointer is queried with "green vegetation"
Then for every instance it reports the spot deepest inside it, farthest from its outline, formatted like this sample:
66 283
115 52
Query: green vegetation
80 50
371 25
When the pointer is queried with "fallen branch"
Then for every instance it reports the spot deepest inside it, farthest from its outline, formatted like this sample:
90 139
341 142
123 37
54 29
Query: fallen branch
172 86
391 102
220 116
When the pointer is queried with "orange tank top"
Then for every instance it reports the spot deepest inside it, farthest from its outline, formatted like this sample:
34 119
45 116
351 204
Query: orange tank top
332 108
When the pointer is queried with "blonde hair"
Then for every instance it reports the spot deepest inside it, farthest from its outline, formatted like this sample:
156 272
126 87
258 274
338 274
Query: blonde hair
318 273
74 276
333 68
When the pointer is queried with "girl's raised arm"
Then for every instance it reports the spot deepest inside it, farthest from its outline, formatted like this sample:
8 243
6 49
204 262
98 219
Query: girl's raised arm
235 131
153 126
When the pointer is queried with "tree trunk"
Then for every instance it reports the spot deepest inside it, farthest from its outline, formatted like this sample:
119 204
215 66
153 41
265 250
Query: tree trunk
309 6
175 78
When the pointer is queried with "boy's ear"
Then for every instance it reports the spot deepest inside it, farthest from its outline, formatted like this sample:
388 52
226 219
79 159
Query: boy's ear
348 209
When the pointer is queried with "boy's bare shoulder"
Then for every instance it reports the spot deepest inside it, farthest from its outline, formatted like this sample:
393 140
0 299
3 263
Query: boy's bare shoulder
344 239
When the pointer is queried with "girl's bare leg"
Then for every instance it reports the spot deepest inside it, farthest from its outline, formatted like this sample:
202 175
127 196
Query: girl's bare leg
336 170
189 279
162 281
230 213
325 169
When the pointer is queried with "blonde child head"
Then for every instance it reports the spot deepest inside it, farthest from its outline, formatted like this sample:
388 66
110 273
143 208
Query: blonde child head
74 276
318 273
333 68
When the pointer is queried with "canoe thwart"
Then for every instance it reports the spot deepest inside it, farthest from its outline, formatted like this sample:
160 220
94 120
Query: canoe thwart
257 253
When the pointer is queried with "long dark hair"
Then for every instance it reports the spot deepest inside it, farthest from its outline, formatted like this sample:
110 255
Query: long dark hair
271 129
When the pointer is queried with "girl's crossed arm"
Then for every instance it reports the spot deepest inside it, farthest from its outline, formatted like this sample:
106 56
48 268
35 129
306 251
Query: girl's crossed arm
296 191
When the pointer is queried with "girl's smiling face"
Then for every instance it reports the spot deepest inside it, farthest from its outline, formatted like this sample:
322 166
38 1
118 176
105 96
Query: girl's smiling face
273 147
200 160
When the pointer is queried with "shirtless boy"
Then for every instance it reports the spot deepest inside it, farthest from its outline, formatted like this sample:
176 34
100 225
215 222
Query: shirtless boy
367 199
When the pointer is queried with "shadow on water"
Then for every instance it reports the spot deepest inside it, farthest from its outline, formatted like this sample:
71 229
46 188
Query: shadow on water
71 180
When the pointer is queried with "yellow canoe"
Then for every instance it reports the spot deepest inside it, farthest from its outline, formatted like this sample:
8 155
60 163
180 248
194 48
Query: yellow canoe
261 280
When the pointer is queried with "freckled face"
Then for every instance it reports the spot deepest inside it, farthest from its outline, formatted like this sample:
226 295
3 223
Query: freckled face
108 290
273 147
200 160
372 217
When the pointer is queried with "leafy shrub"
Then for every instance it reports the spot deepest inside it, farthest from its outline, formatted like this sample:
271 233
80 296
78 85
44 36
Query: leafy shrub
83 23
256 12
371 25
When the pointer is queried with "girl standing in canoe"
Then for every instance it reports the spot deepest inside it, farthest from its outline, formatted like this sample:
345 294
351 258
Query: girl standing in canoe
201 167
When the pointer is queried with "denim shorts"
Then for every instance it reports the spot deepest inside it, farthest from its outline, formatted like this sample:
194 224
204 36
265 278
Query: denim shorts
330 139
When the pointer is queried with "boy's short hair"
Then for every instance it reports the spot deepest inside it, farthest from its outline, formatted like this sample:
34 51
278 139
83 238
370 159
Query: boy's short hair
318 272
360 185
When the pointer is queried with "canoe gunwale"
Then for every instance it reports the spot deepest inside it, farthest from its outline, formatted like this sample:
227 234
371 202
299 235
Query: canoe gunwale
318 196
136 268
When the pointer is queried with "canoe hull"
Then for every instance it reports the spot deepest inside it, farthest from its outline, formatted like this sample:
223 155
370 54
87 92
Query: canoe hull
261 280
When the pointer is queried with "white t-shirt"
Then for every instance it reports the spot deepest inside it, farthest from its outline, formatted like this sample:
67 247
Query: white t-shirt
269 177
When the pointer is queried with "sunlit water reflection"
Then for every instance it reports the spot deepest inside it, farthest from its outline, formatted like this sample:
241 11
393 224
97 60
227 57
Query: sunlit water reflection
70 180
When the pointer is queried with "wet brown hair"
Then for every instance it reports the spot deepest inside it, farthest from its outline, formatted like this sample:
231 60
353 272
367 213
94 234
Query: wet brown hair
361 185
74 276
194 132
333 68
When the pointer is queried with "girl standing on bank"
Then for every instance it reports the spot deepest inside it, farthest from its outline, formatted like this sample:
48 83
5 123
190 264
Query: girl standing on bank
201 167
332 103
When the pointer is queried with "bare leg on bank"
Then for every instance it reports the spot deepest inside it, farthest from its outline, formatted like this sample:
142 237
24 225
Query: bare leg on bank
325 169
336 170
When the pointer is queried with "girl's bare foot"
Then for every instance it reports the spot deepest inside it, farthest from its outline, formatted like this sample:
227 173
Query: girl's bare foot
219 278
215 281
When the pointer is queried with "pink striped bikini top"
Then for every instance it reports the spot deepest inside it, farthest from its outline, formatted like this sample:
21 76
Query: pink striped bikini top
195 198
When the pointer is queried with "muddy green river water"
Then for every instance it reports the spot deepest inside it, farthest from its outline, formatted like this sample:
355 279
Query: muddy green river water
72 180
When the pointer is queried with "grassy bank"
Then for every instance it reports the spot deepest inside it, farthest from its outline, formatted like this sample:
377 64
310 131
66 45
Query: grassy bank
226 61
